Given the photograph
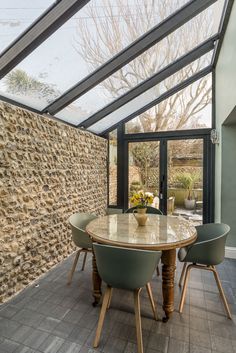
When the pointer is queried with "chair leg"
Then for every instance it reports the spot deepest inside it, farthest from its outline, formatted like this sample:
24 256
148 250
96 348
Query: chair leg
109 301
85 257
73 267
184 288
182 274
158 271
149 290
138 320
222 294
102 317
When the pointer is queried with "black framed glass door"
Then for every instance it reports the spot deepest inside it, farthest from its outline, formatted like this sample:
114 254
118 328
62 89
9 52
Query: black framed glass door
176 170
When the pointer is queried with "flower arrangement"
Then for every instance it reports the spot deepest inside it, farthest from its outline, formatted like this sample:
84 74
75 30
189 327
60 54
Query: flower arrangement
141 199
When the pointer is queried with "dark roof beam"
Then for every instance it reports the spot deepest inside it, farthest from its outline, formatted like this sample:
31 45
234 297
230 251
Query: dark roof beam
152 81
41 29
161 98
156 34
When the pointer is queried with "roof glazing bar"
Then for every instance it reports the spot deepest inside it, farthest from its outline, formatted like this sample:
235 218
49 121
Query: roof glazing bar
156 34
161 98
152 81
223 26
40 30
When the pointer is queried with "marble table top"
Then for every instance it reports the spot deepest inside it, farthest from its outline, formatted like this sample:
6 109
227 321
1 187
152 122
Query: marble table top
160 232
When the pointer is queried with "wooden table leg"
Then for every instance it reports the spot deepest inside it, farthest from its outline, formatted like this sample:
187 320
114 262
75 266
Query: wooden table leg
168 275
97 293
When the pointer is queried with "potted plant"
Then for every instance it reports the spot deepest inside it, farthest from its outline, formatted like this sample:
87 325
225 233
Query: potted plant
187 181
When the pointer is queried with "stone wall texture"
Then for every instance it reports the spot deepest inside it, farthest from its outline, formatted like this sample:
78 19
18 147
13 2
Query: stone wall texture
48 171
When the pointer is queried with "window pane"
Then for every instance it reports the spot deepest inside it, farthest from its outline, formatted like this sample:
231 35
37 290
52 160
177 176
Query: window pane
190 108
96 33
185 179
151 94
143 169
16 16
113 168
150 62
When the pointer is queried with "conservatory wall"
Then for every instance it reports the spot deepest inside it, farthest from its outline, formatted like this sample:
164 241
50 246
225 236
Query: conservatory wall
48 171
225 103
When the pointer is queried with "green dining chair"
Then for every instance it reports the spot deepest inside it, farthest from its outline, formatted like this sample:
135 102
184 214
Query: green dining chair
207 252
111 211
126 269
151 210
78 223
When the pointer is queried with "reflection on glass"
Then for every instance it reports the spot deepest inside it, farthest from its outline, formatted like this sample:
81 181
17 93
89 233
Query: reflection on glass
144 169
185 179
16 16
147 64
113 168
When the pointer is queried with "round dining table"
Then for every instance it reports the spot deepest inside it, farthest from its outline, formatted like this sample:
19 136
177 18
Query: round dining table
165 233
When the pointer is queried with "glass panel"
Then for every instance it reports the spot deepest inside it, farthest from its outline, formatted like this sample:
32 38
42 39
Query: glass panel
95 34
144 164
150 62
16 16
185 179
151 120
113 168
190 108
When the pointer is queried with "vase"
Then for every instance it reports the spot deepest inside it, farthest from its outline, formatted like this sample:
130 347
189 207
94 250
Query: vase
140 216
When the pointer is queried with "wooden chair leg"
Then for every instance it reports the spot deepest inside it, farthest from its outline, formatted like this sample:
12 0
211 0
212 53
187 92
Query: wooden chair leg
222 294
184 288
182 274
138 320
85 257
102 317
149 290
73 267
109 301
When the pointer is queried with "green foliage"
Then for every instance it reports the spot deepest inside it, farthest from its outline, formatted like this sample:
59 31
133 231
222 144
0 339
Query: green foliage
187 181
19 82
135 186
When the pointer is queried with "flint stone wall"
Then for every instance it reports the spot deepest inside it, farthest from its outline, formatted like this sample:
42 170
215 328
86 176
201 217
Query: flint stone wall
48 171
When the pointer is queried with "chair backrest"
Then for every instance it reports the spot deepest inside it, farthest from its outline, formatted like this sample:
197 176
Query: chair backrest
125 268
150 209
209 248
111 210
78 223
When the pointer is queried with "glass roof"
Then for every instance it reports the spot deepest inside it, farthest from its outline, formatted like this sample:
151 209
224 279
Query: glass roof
16 16
71 53
144 66
147 97
99 31
190 108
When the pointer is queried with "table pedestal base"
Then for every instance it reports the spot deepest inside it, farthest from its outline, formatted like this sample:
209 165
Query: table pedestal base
168 259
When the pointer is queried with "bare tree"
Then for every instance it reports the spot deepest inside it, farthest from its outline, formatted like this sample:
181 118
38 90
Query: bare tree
114 24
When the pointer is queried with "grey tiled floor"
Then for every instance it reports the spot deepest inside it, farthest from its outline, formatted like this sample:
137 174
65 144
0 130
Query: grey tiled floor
56 318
